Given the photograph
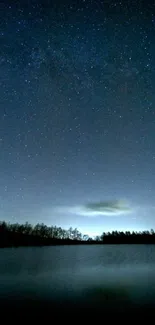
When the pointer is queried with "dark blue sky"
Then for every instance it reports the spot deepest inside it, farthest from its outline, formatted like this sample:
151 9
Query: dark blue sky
77 111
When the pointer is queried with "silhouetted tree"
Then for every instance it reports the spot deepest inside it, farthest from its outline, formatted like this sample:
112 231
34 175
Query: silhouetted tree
85 237
40 234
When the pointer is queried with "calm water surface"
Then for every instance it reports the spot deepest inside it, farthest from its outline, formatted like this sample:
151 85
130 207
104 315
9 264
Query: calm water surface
111 277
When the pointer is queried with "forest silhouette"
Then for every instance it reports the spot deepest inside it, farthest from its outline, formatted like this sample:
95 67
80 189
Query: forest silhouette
15 235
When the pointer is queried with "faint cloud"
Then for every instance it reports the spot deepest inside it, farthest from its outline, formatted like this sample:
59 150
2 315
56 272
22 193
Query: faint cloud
101 208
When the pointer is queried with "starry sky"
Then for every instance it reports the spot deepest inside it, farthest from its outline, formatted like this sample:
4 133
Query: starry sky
77 112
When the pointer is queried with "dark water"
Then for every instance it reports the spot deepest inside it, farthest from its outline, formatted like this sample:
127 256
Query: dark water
110 279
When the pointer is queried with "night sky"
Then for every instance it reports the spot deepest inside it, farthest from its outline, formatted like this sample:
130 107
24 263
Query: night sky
77 112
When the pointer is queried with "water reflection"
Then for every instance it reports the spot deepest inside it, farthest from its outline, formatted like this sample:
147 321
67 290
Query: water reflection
98 277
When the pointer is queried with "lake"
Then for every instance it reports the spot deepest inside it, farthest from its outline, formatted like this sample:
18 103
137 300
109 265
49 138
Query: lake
113 279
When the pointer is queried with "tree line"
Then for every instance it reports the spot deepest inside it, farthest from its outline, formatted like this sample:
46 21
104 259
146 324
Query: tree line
14 235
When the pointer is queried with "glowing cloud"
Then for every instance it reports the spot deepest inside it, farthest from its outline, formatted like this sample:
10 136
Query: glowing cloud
102 208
